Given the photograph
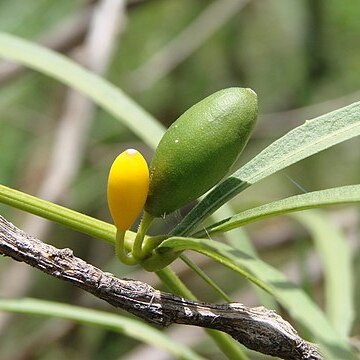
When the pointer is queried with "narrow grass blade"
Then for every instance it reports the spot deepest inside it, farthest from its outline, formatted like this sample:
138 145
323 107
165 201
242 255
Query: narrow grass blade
335 254
130 327
335 196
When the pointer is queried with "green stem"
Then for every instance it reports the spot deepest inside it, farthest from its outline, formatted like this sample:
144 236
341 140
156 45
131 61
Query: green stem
174 284
205 277
227 344
138 251
152 242
159 261
125 258
62 215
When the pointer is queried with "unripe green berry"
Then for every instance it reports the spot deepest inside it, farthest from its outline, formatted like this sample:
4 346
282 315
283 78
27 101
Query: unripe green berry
199 148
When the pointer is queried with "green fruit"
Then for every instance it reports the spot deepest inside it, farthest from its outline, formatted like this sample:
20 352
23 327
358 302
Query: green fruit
199 148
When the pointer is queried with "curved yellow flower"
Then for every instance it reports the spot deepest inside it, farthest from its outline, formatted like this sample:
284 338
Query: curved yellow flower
128 186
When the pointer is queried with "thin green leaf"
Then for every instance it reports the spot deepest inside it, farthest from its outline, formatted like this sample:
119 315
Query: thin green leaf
308 139
293 299
335 196
106 95
130 327
335 254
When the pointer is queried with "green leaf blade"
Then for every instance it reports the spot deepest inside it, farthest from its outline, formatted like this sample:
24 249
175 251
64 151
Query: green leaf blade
335 196
308 139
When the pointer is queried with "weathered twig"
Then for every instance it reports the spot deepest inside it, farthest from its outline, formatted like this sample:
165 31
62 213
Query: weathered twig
257 328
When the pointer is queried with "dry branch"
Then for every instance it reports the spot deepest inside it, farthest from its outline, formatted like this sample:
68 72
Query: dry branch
257 328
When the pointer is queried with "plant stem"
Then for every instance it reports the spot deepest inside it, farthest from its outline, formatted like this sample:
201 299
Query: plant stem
48 210
138 250
227 345
205 277
174 284
62 215
152 242
125 258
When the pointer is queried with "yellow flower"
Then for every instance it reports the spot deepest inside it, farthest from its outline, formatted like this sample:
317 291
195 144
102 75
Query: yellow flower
128 186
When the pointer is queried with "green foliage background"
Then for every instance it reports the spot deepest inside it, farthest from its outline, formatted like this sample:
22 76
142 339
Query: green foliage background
297 55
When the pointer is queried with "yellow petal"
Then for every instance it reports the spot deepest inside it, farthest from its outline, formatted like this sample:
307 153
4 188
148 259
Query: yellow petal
128 186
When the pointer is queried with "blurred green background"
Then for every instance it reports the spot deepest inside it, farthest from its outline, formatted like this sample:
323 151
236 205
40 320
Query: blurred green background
301 57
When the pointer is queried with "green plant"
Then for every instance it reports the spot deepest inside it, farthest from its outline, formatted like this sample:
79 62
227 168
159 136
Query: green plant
311 137
213 131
